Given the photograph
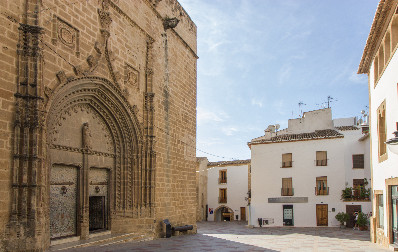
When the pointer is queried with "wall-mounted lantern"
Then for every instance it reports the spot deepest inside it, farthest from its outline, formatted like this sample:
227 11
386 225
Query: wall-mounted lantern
393 142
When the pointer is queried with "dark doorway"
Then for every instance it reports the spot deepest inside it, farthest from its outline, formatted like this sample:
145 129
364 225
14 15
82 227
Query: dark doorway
97 213
288 215
351 209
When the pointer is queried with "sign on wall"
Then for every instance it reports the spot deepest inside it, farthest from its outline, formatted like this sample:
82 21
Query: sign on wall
210 210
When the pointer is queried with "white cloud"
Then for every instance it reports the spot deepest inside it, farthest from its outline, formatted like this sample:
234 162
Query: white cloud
205 116
358 78
256 102
229 131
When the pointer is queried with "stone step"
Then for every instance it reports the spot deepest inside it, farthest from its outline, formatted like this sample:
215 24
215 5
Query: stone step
99 240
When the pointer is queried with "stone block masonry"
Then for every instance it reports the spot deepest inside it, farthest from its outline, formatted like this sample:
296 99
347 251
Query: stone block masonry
98 119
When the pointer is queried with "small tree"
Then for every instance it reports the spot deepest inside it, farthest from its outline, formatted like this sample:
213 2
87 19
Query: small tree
342 217
362 220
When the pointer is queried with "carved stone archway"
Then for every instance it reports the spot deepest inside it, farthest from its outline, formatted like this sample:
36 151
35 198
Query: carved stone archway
92 129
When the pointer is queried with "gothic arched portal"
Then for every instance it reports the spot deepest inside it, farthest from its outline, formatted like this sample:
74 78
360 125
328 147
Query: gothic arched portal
95 158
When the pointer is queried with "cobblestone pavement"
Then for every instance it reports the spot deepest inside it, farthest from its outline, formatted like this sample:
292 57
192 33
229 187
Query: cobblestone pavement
234 236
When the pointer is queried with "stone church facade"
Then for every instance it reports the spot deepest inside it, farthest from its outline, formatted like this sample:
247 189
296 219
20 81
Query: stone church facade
98 119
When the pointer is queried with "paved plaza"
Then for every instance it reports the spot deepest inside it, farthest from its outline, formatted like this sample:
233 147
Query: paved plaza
234 236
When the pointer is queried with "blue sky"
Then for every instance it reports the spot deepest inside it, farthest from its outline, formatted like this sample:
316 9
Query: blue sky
259 58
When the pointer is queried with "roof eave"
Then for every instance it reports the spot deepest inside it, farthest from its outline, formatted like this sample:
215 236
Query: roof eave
384 12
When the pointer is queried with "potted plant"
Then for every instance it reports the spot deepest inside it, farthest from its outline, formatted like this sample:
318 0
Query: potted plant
346 194
362 192
362 221
342 218
367 194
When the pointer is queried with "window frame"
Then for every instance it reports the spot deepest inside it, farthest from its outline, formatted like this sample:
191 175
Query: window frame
222 195
382 135
319 162
290 163
323 186
353 161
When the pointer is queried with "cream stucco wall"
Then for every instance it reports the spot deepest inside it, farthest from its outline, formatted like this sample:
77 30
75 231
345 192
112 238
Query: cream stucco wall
237 188
267 176
385 90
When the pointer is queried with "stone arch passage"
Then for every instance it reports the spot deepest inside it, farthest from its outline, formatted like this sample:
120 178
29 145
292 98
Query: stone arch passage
222 213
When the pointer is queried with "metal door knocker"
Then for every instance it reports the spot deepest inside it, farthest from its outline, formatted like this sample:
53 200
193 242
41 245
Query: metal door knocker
63 190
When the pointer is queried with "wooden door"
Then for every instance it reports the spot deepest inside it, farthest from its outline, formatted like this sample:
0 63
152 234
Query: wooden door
243 213
322 215
351 209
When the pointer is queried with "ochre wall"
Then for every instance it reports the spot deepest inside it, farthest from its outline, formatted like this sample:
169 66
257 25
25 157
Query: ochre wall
79 52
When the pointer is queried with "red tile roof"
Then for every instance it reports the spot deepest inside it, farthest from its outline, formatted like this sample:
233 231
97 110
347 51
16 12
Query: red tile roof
317 135
223 163
344 128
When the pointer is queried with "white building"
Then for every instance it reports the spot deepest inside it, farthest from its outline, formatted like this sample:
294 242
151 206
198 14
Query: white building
298 173
227 190
380 62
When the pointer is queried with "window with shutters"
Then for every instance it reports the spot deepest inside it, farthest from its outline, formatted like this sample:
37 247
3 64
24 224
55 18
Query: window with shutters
358 161
287 187
287 160
381 131
222 179
322 186
357 186
321 158
222 195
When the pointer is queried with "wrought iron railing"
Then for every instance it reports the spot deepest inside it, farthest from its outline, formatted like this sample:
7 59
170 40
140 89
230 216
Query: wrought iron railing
322 191
287 191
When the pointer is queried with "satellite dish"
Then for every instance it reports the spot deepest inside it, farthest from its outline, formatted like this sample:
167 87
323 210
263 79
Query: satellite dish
277 126
270 128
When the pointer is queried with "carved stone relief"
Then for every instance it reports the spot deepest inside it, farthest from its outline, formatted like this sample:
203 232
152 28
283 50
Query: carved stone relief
66 34
131 77
95 134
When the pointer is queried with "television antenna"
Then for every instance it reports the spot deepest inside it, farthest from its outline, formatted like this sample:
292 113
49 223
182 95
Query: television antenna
330 99
300 104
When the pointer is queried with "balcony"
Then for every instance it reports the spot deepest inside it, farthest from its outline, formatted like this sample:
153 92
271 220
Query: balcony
287 164
321 162
356 194
287 191
222 180
222 200
322 191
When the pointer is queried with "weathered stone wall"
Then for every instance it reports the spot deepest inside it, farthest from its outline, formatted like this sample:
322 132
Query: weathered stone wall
201 188
153 71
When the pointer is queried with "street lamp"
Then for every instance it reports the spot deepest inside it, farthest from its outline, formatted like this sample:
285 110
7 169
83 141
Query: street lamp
393 142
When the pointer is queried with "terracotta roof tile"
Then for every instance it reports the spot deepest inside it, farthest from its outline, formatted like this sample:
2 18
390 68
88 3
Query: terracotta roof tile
344 128
318 134
223 163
